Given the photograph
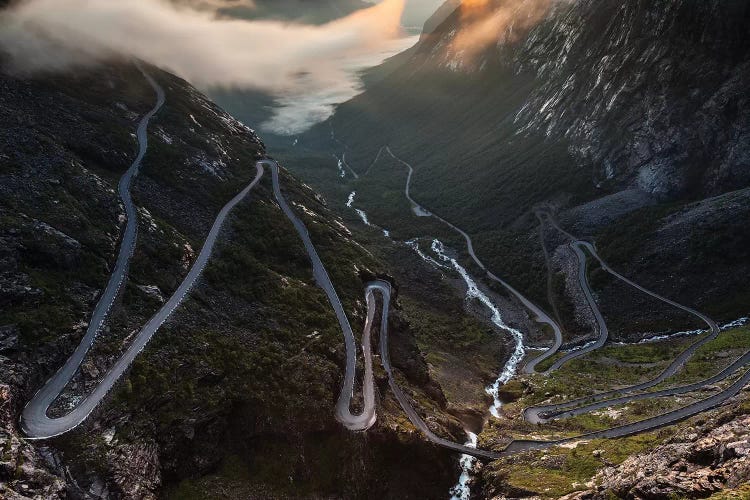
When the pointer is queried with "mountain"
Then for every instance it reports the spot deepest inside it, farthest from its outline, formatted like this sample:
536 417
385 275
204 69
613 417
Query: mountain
303 11
629 119
592 155
540 234
236 391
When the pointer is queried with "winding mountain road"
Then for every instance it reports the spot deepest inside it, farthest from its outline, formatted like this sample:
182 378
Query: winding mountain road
516 446
539 315
354 422
35 422
599 400
645 425
583 282
538 414
384 289
530 366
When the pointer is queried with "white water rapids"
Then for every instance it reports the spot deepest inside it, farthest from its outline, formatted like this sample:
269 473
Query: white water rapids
362 214
462 491
473 292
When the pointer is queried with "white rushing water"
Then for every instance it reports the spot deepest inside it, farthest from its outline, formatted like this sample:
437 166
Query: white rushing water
414 245
461 490
581 347
473 292
420 211
736 323
687 333
362 214
340 164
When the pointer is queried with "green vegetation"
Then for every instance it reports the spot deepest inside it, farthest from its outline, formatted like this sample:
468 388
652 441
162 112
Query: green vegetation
49 265
272 319
742 492
619 243
436 330
606 368
612 365
713 356
559 471
547 363
645 353
714 255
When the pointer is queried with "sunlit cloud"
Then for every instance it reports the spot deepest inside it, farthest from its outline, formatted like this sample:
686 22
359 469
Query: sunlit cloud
285 59
485 23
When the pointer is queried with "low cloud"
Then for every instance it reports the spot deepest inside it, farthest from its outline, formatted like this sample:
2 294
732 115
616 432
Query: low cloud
286 60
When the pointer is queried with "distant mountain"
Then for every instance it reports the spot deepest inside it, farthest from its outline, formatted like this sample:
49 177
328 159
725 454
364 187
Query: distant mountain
306 11
600 109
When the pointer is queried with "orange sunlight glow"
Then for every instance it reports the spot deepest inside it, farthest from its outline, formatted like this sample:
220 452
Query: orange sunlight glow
489 22
44 35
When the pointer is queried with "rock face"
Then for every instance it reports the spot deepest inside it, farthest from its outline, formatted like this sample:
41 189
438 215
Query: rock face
600 108
64 143
650 93
26 472
698 462
135 470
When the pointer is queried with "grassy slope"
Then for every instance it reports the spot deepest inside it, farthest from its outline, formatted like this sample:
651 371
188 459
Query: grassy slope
560 471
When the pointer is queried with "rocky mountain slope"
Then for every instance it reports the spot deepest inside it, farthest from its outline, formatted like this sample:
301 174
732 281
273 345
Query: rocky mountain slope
624 117
237 390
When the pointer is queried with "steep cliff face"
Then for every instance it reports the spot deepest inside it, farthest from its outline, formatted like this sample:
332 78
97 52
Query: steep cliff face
651 93
705 459
595 108
648 93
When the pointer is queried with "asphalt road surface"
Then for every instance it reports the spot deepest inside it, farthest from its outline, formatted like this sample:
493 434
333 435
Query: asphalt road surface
538 414
601 324
35 422
384 289
365 419
539 315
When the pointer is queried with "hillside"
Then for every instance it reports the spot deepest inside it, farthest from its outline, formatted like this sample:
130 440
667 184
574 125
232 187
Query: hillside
620 116
238 386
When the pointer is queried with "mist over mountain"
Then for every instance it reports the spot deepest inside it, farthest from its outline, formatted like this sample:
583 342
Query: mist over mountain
303 11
